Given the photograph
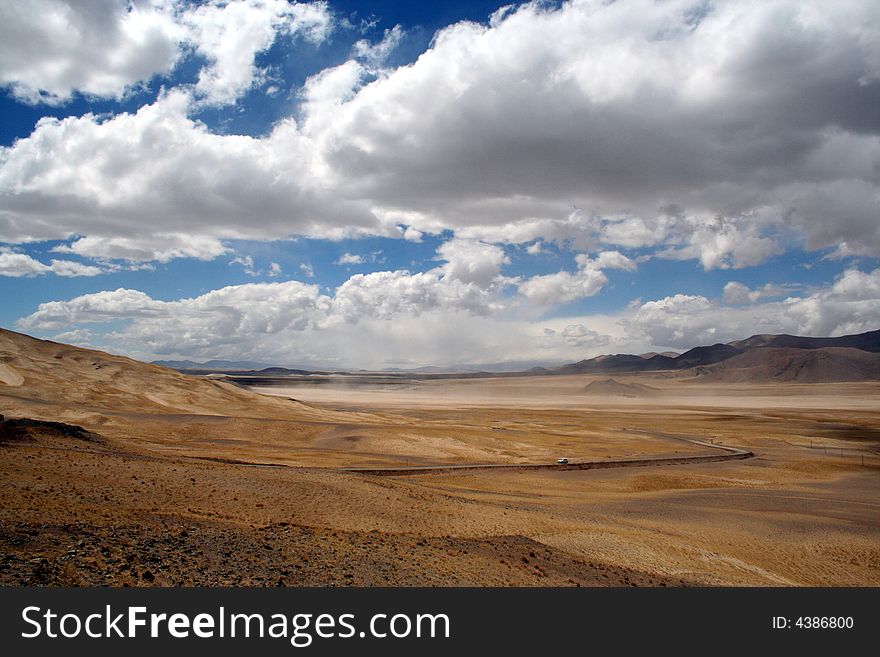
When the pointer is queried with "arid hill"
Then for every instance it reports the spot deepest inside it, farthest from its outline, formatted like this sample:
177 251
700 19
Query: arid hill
42 371
612 388
823 365
869 341
837 359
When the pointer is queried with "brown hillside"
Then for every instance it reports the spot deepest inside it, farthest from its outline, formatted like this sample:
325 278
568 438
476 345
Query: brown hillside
824 365
612 388
40 371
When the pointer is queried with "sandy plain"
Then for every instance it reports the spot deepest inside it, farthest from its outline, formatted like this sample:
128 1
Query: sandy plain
249 490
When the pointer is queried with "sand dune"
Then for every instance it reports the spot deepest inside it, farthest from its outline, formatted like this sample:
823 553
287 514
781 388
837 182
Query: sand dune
612 388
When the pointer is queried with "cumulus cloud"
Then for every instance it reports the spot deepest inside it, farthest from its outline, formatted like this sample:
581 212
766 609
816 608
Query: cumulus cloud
470 280
388 294
723 132
349 259
72 269
471 261
563 286
376 54
158 185
18 265
735 293
145 247
219 317
231 34
410 234
850 305
578 335
398 317
50 49
624 110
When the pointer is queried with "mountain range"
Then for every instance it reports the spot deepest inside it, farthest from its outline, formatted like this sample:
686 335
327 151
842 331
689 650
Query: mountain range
759 358
756 359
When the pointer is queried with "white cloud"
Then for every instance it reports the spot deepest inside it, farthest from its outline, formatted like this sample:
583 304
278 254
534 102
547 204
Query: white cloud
79 337
578 335
160 247
247 263
158 185
627 110
307 269
50 49
722 244
349 259
735 293
639 124
387 294
231 34
17 265
850 305
389 318
376 54
410 234
71 269
249 267
472 261
223 316
563 286
681 320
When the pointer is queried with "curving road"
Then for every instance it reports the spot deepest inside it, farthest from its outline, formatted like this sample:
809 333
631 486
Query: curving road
728 454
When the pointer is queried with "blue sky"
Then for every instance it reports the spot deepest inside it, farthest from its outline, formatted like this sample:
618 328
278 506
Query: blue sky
378 184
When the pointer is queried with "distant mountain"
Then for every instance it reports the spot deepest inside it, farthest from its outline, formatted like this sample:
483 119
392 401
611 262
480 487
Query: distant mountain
704 356
618 363
651 354
218 365
284 371
502 367
864 341
799 365
612 388
758 358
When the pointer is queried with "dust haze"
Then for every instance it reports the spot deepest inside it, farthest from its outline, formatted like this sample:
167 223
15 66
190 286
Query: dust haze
120 473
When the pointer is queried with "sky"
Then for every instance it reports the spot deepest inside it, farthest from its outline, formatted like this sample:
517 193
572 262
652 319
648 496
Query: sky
397 184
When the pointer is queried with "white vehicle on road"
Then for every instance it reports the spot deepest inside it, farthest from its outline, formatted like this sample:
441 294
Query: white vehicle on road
561 461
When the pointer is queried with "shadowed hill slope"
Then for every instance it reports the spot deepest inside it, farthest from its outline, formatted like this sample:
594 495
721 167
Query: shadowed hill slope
612 388
44 371
869 341
756 359
822 365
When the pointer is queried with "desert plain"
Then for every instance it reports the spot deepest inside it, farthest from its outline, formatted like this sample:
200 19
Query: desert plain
155 477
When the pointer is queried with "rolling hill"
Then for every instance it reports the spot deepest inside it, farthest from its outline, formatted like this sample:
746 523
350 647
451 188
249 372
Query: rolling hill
804 365
759 358
40 372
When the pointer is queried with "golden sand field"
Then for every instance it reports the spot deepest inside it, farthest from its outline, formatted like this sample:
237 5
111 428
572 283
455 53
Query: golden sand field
191 480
